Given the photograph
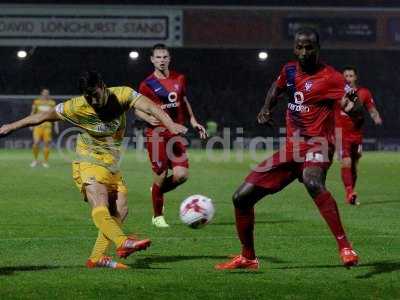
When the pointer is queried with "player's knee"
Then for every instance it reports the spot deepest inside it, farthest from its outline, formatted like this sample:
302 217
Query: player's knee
123 213
346 162
159 178
236 199
239 200
181 176
97 195
314 186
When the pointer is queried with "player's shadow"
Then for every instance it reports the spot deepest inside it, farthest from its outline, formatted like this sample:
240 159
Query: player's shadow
147 262
308 267
380 267
379 202
7 271
258 222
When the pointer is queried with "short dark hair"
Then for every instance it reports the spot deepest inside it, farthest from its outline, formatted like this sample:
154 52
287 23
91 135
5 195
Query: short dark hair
308 31
351 68
158 47
90 80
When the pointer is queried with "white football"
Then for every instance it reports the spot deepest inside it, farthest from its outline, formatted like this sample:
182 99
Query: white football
196 211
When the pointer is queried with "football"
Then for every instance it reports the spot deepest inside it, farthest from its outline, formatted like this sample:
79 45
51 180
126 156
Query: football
196 211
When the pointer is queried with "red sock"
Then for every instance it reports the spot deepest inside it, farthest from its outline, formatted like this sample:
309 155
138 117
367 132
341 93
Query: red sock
158 200
245 227
347 178
329 211
169 184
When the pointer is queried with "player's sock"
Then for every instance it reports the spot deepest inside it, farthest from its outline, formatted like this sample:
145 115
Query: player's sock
46 153
35 151
102 244
329 211
158 200
169 184
100 247
245 228
110 228
347 178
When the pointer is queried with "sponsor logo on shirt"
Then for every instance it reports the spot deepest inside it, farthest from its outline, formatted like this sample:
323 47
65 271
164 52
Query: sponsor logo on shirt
298 103
170 105
109 126
308 85
172 97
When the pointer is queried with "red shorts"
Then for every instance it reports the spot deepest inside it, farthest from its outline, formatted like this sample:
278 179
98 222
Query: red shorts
286 165
166 151
351 144
351 148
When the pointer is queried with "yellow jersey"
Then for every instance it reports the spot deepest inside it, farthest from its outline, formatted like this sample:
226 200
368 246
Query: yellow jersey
40 105
101 136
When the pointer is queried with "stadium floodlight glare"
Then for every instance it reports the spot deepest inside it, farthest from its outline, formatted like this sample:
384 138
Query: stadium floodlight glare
22 54
262 55
134 55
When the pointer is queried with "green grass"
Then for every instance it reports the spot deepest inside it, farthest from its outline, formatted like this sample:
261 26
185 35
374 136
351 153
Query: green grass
46 234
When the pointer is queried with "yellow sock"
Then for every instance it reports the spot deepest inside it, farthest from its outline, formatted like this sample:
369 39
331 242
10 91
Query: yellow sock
46 153
35 150
107 225
100 247
102 244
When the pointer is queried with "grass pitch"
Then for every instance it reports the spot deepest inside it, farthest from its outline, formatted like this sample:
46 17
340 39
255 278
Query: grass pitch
46 235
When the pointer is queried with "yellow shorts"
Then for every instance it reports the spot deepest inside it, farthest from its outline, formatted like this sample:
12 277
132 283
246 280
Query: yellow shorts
86 173
42 134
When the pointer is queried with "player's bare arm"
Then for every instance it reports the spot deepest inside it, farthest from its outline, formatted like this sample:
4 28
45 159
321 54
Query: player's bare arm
193 121
376 117
265 114
32 112
31 120
147 106
147 118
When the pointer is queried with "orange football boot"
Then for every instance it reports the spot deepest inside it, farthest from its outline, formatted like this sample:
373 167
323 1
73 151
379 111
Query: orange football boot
105 262
239 262
349 257
131 245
